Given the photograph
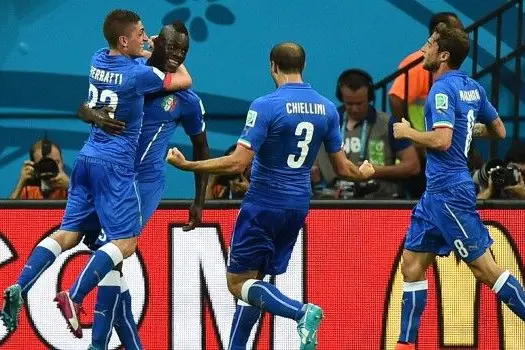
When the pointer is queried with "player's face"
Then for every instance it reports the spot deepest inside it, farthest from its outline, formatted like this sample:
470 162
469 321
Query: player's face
136 39
355 102
430 53
182 43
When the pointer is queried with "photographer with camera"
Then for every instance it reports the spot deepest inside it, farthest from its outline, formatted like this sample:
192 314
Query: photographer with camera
499 179
367 134
43 176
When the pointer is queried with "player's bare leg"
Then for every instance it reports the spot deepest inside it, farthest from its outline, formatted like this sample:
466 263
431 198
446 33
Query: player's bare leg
41 258
415 287
506 287
265 296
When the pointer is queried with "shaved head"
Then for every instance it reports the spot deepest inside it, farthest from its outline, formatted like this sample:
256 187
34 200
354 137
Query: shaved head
288 57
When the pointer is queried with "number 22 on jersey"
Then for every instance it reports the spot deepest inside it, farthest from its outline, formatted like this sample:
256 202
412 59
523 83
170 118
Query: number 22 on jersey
108 98
306 129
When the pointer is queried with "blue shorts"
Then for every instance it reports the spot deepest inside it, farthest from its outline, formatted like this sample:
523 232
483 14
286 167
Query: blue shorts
263 238
150 197
448 220
102 194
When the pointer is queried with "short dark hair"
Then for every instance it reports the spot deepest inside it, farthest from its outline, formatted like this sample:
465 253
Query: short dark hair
289 57
180 27
117 23
40 144
449 18
455 41
355 79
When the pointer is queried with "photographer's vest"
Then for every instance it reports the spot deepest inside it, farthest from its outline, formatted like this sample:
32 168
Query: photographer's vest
369 139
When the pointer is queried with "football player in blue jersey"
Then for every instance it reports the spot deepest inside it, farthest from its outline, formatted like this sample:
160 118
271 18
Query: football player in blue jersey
445 218
163 112
283 133
102 191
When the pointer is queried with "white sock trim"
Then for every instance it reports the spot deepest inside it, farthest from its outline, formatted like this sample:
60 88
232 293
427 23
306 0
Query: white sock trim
112 279
123 285
51 245
245 287
500 282
415 286
242 303
114 253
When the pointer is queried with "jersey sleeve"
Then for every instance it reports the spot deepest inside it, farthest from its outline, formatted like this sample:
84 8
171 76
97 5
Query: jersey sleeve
149 80
256 126
332 140
397 145
442 106
487 112
192 113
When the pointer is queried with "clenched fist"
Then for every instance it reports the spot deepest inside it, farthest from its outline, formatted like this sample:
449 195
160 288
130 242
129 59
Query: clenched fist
402 129
175 157
367 169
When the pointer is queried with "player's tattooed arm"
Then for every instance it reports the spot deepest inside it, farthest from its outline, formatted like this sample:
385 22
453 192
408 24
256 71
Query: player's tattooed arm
495 130
234 163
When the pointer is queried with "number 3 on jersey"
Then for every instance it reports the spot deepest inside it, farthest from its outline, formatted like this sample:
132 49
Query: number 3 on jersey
297 161
107 97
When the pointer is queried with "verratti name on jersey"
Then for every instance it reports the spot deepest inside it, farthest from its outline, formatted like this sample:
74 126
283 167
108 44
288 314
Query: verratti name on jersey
105 76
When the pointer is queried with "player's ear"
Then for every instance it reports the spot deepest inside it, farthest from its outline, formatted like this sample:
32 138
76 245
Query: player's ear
273 67
123 41
444 56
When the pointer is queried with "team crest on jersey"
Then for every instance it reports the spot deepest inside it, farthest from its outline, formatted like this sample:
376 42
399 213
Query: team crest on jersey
168 103
441 101
250 118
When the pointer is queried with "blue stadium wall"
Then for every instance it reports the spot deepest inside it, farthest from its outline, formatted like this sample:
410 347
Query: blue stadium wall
47 45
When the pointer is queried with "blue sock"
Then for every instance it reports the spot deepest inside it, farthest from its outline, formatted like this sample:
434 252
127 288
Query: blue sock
125 323
244 319
267 297
103 261
40 259
509 291
105 309
414 302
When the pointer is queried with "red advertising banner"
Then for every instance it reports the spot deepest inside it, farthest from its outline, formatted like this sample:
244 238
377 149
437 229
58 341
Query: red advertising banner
346 260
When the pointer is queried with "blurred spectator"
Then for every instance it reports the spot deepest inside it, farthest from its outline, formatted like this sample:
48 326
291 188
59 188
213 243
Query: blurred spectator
419 80
43 176
503 179
367 134
229 186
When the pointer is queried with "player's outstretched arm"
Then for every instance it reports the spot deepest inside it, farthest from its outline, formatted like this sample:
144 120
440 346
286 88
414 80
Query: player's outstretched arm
234 163
201 151
344 168
494 130
179 80
439 139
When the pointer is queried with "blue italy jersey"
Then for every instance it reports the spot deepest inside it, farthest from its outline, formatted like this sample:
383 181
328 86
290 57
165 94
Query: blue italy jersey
163 112
120 83
454 101
286 129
